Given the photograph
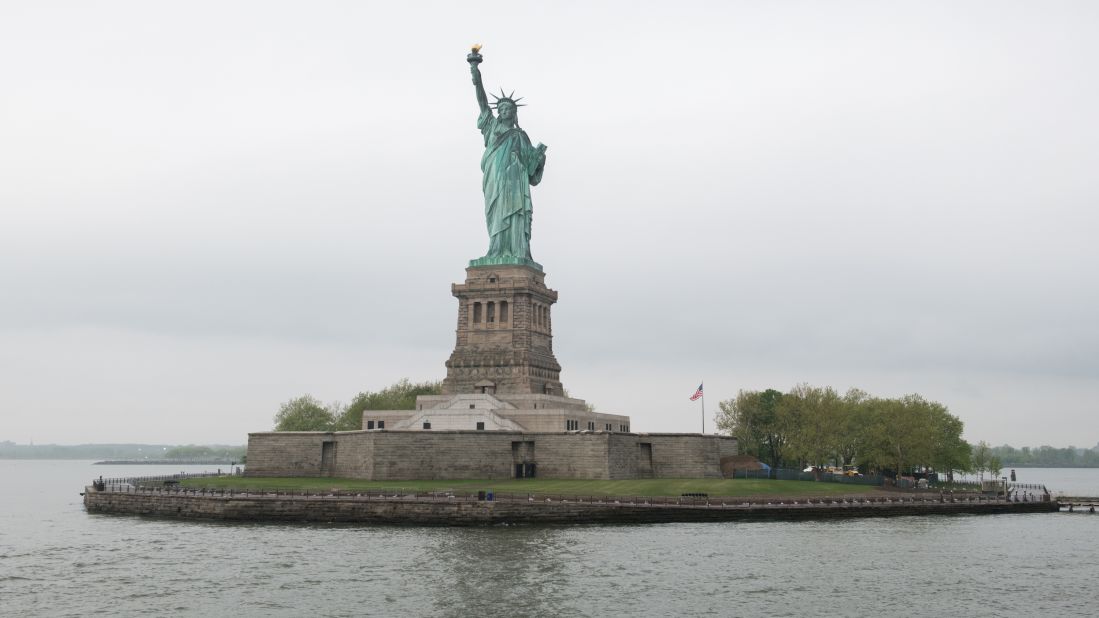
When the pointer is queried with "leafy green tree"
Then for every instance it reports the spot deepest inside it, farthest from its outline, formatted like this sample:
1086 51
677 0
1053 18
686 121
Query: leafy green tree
815 425
981 458
304 413
753 418
899 433
775 431
399 396
995 467
851 437
735 418
813 415
949 452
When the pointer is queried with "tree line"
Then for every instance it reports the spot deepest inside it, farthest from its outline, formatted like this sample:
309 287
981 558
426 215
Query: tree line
1048 456
811 425
11 450
306 413
200 451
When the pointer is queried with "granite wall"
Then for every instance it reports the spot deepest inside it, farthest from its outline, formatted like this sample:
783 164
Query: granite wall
405 455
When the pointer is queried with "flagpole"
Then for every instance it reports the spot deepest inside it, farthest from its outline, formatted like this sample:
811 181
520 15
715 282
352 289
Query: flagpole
703 407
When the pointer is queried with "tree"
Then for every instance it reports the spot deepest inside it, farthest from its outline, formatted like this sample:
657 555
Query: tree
949 452
399 396
304 413
752 417
735 418
898 433
851 437
981 458
815 425
995 467
813 414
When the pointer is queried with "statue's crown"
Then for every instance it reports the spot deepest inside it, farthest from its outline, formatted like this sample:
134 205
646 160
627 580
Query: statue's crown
506 99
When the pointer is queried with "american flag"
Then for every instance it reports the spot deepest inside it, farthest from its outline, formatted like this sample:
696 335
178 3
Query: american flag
697 394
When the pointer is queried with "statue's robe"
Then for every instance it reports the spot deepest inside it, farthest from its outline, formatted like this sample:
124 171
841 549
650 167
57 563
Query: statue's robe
510 166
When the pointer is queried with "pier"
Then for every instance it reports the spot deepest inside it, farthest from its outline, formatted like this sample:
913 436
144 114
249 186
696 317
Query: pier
1078 504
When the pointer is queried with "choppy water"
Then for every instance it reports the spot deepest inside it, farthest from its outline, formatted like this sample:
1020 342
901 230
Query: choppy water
57 560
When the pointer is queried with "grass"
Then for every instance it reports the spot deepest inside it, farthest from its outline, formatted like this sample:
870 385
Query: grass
638 487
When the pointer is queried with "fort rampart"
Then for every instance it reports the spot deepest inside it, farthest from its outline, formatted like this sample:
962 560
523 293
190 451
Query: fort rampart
449 455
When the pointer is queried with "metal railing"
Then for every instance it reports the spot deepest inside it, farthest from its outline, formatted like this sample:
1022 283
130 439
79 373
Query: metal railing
114 484
787 474
1027 492
942 483
696 501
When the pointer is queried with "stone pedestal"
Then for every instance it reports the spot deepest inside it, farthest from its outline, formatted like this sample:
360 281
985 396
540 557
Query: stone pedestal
504 337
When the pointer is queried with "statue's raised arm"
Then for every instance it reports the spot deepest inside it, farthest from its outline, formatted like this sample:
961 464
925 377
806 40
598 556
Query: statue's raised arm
474 59
510 165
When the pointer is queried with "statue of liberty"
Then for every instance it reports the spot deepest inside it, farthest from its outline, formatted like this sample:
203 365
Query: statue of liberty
511 165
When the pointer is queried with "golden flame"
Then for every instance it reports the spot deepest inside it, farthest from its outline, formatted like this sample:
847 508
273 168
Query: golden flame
476 47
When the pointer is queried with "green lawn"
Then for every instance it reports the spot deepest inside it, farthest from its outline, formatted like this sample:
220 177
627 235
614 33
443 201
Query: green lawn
639 487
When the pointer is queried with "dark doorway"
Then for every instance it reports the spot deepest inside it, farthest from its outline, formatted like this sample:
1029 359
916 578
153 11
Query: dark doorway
328 458
522 458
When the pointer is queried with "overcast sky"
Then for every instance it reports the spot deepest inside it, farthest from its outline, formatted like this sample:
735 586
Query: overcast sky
209 208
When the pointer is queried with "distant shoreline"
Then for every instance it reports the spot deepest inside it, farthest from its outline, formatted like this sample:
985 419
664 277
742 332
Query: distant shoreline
1008 466
166 462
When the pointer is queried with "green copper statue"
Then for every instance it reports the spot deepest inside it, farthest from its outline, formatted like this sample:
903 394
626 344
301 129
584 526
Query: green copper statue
511 165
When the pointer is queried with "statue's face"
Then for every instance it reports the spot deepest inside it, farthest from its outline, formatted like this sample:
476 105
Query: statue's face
506 112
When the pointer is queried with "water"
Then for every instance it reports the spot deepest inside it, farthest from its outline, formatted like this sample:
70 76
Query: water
57 560
1061 481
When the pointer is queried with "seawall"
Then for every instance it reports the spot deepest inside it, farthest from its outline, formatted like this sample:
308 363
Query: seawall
464 511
